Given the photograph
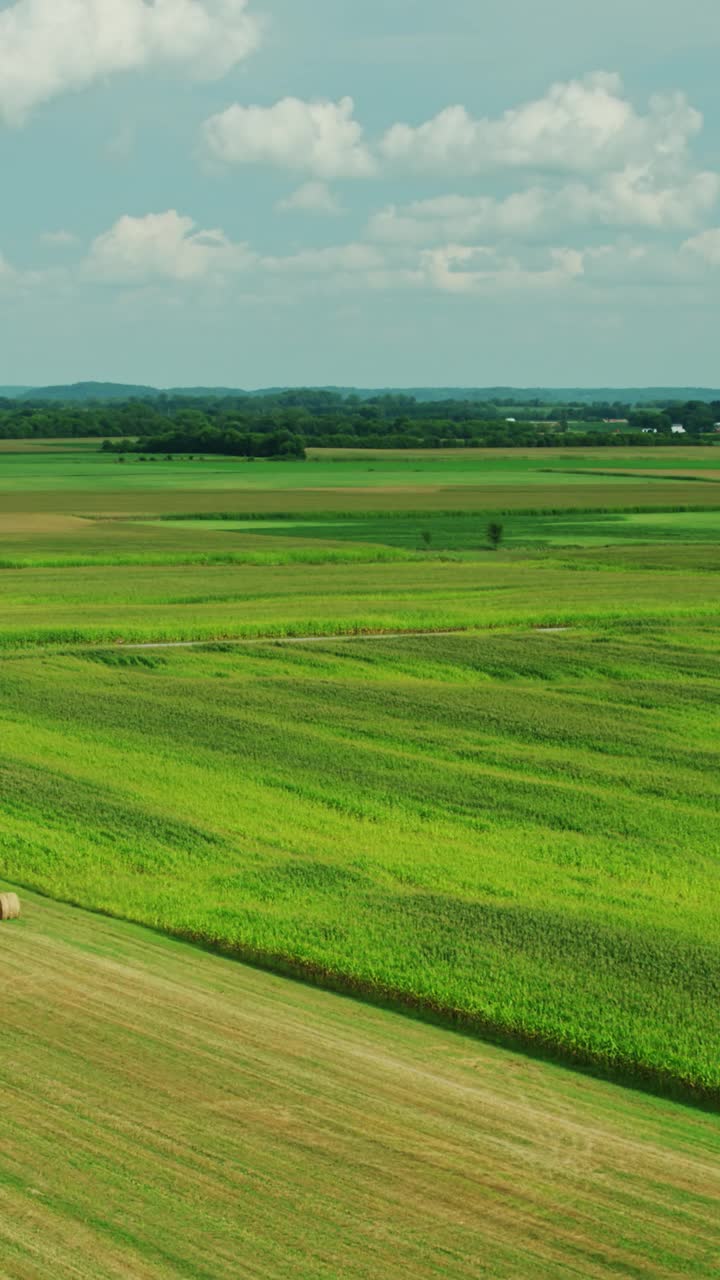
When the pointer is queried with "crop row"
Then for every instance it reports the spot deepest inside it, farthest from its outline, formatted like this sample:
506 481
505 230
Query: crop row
517 832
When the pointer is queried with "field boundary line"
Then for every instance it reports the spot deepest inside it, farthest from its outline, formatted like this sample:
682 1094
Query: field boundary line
538 1046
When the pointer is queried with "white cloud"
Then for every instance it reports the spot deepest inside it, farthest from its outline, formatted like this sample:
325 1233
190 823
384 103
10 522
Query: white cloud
630 269
580 126
168 248
476 269
706 246
312 197
628 198
344 268
337 258
458 218
59 239
605 163
162 246
48 47
451 268
8 274
321 138
634 197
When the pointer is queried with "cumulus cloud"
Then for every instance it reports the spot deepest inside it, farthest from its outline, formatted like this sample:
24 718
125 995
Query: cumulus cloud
705 246
343 268
166 249
626 268
458 218
169 249
589 156
634 197
162 246
320 138
580 126
48 47
450 268
475 269
312 197
629 198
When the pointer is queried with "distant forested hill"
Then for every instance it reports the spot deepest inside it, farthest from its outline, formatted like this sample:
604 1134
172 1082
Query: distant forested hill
84 392
79 392
541 395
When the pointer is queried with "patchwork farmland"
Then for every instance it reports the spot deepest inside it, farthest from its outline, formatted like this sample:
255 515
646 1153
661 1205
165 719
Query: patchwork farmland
485 795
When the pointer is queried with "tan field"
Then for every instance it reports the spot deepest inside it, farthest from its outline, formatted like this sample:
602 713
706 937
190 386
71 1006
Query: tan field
60 444
426 498
29 523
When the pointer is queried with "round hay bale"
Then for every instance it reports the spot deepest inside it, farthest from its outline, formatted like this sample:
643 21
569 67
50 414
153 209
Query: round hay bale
9 906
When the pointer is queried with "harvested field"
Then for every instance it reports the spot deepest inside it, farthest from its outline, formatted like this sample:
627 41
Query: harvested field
170 1113
62 444
9 906
29 524
236 500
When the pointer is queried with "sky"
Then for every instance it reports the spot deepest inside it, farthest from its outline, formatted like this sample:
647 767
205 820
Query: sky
256 193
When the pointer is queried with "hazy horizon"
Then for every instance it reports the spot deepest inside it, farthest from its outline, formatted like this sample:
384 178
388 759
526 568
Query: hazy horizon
428 391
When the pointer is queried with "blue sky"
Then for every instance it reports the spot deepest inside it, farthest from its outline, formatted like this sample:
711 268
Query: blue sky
263 192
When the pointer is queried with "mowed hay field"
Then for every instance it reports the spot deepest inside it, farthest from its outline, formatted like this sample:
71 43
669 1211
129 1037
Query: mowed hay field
170 1113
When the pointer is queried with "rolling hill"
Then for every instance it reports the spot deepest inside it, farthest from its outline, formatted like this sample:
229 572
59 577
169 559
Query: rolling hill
79 392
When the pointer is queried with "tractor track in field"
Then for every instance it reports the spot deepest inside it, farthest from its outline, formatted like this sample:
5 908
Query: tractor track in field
309 639
317 639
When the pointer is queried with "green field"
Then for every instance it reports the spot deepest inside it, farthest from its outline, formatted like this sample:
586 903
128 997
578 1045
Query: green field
85 479
176 602
169 1113
507 827
301 714
517 829
467 532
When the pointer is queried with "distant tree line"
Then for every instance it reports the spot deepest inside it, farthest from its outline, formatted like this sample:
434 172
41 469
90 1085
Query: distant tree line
229 443
282 424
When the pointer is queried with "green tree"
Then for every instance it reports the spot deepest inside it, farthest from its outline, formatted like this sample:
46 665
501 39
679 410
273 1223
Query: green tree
495 534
